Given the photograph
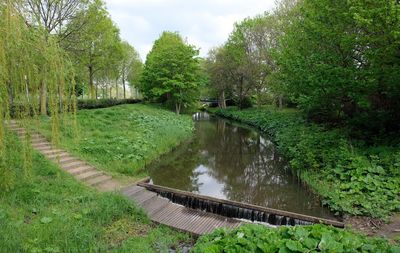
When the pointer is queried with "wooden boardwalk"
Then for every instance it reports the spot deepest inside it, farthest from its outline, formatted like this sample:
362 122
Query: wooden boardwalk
163 211
159 209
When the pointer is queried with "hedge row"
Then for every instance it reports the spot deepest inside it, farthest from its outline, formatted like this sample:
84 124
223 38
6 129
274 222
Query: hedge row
103 103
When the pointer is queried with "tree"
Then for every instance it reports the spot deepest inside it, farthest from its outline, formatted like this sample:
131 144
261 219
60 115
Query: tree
218 74
135 73
96 43
29 58
51 17
131 65
171 71
339 60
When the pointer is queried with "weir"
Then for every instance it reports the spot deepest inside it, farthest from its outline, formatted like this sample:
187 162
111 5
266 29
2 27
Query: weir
238 210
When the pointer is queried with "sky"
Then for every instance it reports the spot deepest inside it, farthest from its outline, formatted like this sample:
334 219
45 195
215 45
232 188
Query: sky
204 23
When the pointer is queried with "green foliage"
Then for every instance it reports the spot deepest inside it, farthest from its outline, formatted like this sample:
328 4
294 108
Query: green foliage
171 72
34 70
351 177
339 59
316 238
104 103
123 139
53 212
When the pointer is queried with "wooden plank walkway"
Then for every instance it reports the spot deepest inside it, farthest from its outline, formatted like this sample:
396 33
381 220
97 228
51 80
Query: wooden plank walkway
163 211
159 209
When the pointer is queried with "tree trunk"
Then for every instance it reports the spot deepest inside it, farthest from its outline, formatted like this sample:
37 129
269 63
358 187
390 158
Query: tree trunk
110 92
43 99
123 83
241 97
178 108
116 88
96 89
280 100
91 88
222 101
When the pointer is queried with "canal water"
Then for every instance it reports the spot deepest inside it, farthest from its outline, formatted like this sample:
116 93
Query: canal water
230 161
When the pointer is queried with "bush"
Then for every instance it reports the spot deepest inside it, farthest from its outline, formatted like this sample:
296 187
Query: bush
316 238
351 177
104 103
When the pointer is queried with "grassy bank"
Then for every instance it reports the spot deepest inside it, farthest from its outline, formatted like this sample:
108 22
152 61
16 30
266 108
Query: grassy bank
352 177
123 139
51 212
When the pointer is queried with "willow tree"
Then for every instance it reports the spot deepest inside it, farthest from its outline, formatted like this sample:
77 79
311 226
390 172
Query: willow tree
29 57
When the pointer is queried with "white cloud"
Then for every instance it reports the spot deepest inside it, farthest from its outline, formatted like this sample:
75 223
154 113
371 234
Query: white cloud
205 23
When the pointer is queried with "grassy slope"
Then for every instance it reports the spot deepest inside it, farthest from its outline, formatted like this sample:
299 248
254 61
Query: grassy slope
51 212
352 178
123 139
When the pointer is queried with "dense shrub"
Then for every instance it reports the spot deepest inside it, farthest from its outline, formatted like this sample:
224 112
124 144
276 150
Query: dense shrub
104 103
316 238
351 177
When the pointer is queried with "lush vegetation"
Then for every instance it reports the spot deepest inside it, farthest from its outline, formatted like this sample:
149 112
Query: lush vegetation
172 72
336 60
103 103
352 177
316 238
51 212
123 139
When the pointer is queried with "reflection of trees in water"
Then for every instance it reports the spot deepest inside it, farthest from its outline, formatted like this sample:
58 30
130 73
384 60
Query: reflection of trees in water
240 159
251 170
176 169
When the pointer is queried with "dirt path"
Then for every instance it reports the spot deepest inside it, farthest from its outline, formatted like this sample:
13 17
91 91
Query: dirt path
375 227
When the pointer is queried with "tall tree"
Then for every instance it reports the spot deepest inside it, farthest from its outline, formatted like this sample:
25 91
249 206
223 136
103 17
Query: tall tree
218 74
171 71
28 58
130 64
52 17
95 42
339 60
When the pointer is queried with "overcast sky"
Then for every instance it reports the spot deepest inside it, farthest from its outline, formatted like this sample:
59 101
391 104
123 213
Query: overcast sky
205 23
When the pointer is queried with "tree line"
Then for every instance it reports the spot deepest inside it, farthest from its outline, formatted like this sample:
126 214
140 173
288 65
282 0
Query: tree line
336 60
91 51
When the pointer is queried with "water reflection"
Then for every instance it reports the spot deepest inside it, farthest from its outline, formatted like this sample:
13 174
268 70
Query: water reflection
232 162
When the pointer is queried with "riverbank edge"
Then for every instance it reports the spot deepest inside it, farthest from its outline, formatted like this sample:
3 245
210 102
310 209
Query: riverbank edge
124 178
363 223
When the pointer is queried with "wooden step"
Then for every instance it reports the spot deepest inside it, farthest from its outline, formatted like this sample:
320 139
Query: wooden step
44 148
146 195
98 180
131 189
154 206
67 159
41 144
52 152
88 175
55 157
80 170
73 165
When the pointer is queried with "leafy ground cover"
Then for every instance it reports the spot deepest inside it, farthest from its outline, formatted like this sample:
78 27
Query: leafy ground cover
352 177
50 212
123 139
316 238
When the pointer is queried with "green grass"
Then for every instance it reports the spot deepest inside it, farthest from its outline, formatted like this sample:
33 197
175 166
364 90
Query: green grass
123 139
316 238
352 177
51 212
